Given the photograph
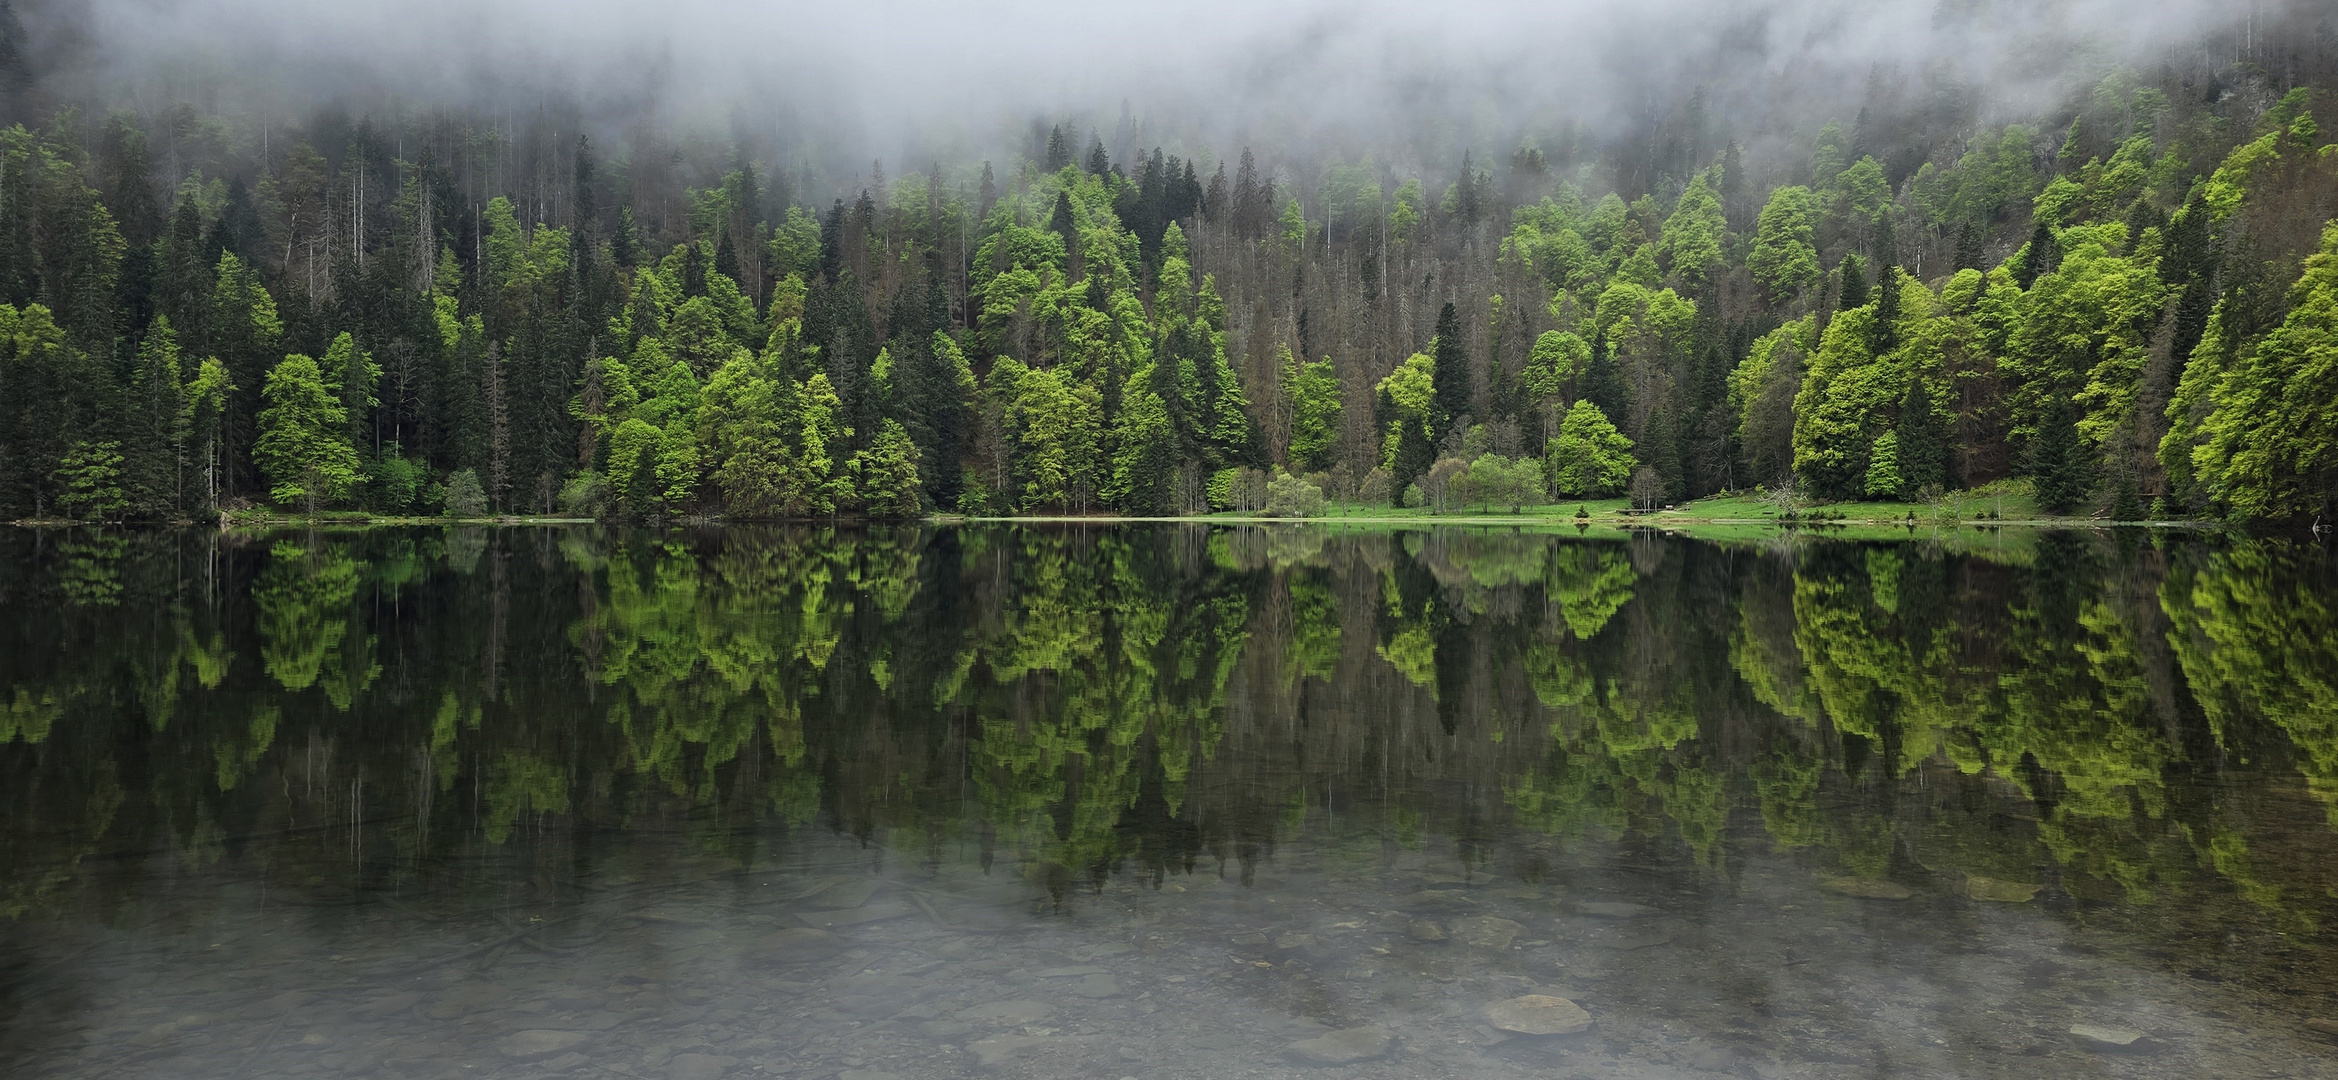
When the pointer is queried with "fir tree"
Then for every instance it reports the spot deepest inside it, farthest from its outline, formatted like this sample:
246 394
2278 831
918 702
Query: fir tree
1451 373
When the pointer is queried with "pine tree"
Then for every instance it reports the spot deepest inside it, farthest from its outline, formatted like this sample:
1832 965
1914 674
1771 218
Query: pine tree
157 422
1922 450
1451 373
2058 460
1968 247
1884 333
301 448
1852 290
1883 468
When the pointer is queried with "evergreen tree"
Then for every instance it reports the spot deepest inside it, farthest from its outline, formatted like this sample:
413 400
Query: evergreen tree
1451 373
1851 288
1921 446
1588 458
156 425
1883 468
2058 461
302 448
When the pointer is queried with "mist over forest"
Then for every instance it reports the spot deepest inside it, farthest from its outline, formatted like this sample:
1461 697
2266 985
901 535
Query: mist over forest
686 259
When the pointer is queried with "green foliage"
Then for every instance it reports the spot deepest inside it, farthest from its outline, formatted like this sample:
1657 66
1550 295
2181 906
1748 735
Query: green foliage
884 476
1588 458
464 497
1313 393
1883 468
303 448
2267 446
1289 496
1784 259
90 481
1848 398
1691 243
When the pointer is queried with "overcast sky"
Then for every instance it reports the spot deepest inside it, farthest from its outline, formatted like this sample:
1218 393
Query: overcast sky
883 66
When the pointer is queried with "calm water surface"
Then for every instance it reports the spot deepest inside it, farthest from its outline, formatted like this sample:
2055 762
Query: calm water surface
1164 802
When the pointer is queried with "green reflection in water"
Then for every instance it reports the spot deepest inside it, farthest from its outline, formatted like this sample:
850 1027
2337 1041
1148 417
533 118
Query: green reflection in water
2119 723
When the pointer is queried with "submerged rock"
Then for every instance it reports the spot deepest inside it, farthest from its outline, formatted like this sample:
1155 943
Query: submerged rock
2003 892
997 1050
1097 986
1009 1013
1486 932
539 1043
2098 1037
1867 888
1424 930
795 945
1538 1014
1609 910
1341 1047
699 1066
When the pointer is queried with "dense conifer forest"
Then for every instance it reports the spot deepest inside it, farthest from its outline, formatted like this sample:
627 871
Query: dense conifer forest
2126 300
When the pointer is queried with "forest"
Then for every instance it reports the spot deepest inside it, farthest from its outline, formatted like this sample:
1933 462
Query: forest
2126 303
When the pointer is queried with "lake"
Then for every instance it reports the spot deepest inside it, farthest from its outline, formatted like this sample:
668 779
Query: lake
1163 801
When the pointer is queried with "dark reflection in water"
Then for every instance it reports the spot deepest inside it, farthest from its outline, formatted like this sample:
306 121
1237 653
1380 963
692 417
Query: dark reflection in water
1163 802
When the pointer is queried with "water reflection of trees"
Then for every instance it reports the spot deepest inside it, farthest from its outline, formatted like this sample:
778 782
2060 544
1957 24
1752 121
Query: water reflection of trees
1072 703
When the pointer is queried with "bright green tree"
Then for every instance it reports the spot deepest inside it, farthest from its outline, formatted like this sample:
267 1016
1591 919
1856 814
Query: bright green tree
1588 458
2268 447
351 375
302 448
1691 243
89 480
885 474
1783 259
1883 467
1313 392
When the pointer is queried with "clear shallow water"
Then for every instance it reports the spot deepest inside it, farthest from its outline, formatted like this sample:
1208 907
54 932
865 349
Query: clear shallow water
1162 802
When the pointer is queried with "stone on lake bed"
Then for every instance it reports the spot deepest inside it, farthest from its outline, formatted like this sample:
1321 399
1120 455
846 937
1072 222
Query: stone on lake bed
1609 910
1437 900
2003 892
1009 1013
1486 932
795 945
1867 888
1341 1047
867 913
848 893
699 1066
539 1043
1538 1014
1638 939
2109 1038
997 1050
1424 930
1097 986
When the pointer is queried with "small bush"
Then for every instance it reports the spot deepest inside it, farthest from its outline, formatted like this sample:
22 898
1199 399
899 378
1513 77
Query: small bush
584 495
464 496
1289 496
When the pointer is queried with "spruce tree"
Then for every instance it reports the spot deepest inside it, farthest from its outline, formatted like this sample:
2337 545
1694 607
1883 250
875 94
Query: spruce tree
1923 453
1852 292
1883 335
2038 257
2057 460
1968 247
1452 374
